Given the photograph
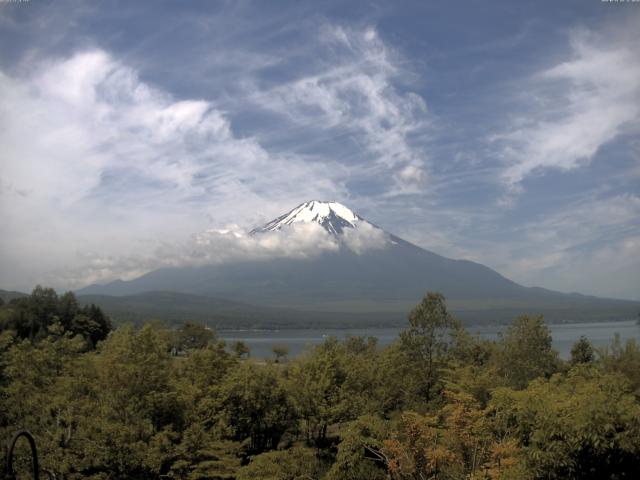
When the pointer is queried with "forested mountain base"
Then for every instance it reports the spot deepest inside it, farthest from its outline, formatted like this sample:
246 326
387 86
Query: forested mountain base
154 403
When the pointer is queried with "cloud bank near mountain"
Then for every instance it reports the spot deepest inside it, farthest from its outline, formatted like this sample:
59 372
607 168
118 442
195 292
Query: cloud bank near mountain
227 245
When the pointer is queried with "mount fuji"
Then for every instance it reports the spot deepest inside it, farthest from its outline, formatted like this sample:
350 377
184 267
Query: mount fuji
380 279
332 216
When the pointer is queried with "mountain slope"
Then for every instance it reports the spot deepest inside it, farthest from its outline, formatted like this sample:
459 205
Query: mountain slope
390 278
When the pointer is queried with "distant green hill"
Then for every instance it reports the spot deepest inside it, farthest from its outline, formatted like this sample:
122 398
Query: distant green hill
174 308
7 295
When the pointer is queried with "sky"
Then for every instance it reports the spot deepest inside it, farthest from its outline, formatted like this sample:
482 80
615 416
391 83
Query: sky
507 133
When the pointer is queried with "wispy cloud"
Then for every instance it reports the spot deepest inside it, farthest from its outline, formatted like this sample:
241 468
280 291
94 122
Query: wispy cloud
590 245
355 93
575 107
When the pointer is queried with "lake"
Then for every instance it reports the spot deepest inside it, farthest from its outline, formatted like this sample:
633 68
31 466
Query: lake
564 335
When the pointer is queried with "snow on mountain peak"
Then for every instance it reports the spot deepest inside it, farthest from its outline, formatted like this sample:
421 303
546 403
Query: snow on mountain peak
332 216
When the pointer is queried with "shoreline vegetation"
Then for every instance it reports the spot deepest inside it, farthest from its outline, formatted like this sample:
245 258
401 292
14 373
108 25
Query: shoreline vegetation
468 326
260 342
157 401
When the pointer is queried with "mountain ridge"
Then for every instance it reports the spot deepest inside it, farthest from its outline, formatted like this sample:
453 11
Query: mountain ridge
388 279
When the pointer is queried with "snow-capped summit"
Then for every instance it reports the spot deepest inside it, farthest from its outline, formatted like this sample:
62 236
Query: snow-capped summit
333 216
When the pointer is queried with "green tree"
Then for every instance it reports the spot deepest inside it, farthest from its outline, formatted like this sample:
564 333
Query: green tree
281 352
91 323
204 368
585 425
254 406
525 352
29 317
293 464
136 409
45 391
192 336
43 305
316 384
203 451
581 352
34 316
624 359
471 368
68 308
360 345
360 451
241 349
416 363
203 454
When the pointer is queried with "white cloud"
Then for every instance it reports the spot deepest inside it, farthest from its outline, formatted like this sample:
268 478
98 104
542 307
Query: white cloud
356 95
364 238
94 159
219 246
580 105
412 174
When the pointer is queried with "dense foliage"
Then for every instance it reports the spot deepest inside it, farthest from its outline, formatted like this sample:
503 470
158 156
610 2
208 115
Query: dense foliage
44 313
439 403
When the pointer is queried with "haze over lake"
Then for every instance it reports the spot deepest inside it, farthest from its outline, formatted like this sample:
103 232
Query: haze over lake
564 336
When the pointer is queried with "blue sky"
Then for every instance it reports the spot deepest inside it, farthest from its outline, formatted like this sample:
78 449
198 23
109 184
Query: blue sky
503 132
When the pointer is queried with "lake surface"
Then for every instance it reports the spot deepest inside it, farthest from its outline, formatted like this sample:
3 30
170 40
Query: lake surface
564 336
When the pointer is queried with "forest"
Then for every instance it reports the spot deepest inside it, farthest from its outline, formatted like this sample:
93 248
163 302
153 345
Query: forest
155 402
